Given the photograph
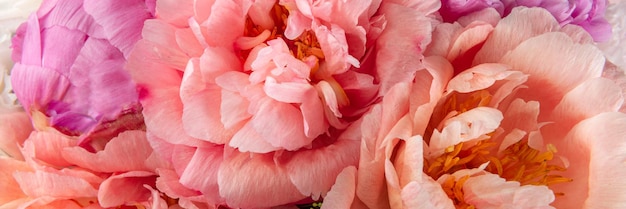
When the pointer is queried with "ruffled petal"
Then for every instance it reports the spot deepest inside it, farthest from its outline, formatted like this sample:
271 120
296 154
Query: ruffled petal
131 183
121 20
41 184
244 182
130 147
342 194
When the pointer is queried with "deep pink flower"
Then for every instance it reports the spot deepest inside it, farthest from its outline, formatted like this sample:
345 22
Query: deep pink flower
69 72
588 14
248 97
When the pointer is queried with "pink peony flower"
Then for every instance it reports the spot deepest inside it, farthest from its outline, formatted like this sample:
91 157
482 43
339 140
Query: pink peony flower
69 73
492 122
588 14
249 97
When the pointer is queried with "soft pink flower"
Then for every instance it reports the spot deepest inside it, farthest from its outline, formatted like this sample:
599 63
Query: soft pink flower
588 14
494 122
69 72
249 97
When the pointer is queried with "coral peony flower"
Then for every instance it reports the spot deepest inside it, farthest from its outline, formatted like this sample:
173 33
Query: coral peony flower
589 14
58 174
493 122
248 97
69 73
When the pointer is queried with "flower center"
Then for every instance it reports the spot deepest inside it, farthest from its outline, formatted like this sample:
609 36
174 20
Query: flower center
302 47
518 162
305 47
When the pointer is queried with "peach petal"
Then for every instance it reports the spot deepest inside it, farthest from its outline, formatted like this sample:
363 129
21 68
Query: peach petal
595 149
41 184
425 195
521 24
244 182
341 195
10 189
600 95
555 78
132 183
131 147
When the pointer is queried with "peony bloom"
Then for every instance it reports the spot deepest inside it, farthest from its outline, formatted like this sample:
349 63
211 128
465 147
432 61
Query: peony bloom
69 73
58 174
589 14
248 97
69 55
492 122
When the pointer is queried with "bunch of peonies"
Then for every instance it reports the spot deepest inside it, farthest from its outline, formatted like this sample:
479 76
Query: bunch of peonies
309 104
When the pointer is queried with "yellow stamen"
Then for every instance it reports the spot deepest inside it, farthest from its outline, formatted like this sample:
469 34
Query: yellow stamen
518 162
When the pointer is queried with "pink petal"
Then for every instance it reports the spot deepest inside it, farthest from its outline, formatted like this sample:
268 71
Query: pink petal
161 92
554 78
46 146
23 77
126 188
131 147
247 139
492 191
229 18
201 173
425 194
600 95
341 194
523 23
14 129
400 45
281 125
175 12
478 77
40 184
201 117
244 182
595 149
168 183
234 109
471 125
371 176
468 38
314 171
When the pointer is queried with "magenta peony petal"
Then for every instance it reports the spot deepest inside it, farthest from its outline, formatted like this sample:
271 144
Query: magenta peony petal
69 70
120 20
